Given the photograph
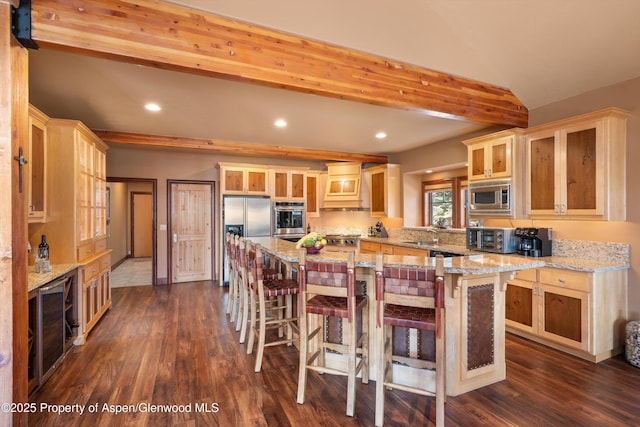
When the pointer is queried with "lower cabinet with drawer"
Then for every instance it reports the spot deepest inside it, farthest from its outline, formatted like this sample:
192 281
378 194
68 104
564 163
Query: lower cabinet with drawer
96 293
367 247
581 313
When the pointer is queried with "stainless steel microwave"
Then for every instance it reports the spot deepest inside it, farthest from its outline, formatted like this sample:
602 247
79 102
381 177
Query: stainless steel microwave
490 198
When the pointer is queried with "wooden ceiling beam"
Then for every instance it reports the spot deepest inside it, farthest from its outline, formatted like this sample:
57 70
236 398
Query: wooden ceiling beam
173 37
235 148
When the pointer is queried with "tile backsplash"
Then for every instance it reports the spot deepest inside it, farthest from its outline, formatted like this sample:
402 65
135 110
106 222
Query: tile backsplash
597 251
583 249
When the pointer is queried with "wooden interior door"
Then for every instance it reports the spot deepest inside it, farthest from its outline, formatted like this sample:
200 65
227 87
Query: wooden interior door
191 228
141 225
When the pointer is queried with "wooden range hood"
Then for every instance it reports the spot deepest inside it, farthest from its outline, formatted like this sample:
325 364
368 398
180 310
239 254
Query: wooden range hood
343 191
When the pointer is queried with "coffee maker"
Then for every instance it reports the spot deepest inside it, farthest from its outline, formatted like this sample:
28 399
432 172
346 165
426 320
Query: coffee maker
535 242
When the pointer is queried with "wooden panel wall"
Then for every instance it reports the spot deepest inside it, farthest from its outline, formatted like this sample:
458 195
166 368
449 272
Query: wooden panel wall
13 218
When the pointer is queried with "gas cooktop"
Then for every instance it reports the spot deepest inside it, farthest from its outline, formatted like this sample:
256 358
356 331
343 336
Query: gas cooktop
342 239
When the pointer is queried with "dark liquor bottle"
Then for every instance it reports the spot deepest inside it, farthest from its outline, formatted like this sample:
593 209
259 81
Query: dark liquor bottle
43 248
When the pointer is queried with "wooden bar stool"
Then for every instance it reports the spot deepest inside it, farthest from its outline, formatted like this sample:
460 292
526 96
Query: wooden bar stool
329 289
246 260
272 300
409 298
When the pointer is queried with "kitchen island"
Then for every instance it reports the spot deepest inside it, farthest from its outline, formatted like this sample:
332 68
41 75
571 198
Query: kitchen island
475 310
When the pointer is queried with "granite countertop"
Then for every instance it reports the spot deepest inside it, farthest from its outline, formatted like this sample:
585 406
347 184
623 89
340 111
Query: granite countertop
35 280
578 264
472 264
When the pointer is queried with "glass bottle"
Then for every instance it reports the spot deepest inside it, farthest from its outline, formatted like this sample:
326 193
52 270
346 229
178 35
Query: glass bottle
43 248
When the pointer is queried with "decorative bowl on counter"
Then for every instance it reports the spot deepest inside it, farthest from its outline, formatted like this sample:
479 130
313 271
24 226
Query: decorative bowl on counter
314 249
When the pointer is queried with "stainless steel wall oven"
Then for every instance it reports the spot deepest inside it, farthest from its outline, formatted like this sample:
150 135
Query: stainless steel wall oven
289 219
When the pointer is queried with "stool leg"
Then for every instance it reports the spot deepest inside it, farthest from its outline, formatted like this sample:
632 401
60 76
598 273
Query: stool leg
318 343
365 344
229 296
351 367
241 302
252 326
262 330
384 369
304 354
289 315
440 380
245 315
234 302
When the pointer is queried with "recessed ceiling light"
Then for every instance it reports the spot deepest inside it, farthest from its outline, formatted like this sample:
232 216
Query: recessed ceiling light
381 135
429 171
152 107
281 123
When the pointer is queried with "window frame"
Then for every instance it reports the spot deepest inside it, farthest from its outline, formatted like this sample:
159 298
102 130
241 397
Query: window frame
456 184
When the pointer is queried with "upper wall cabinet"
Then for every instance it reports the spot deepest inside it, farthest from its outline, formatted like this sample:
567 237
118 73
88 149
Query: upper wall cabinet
384 192
494 156
240 179
289 185
36 156
314 192
576 167
76 226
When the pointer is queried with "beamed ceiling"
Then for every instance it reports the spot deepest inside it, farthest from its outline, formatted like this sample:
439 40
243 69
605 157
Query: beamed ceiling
223 71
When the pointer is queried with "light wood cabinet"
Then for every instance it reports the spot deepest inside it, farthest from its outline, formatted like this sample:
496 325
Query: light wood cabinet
36 156
403 250
581 313
576 167
384 192
367 247
76 224
289 185
313 193
96 291
391 249
244 179
495 156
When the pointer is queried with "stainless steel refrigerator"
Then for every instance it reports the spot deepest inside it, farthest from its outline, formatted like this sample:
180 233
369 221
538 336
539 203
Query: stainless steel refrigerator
248 216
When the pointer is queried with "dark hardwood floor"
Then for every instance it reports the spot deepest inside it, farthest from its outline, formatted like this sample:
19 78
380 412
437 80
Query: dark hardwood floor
173 345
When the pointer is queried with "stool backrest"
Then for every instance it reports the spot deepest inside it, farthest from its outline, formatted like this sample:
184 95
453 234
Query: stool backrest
227 244
413 287
254 261
328 278
241 259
